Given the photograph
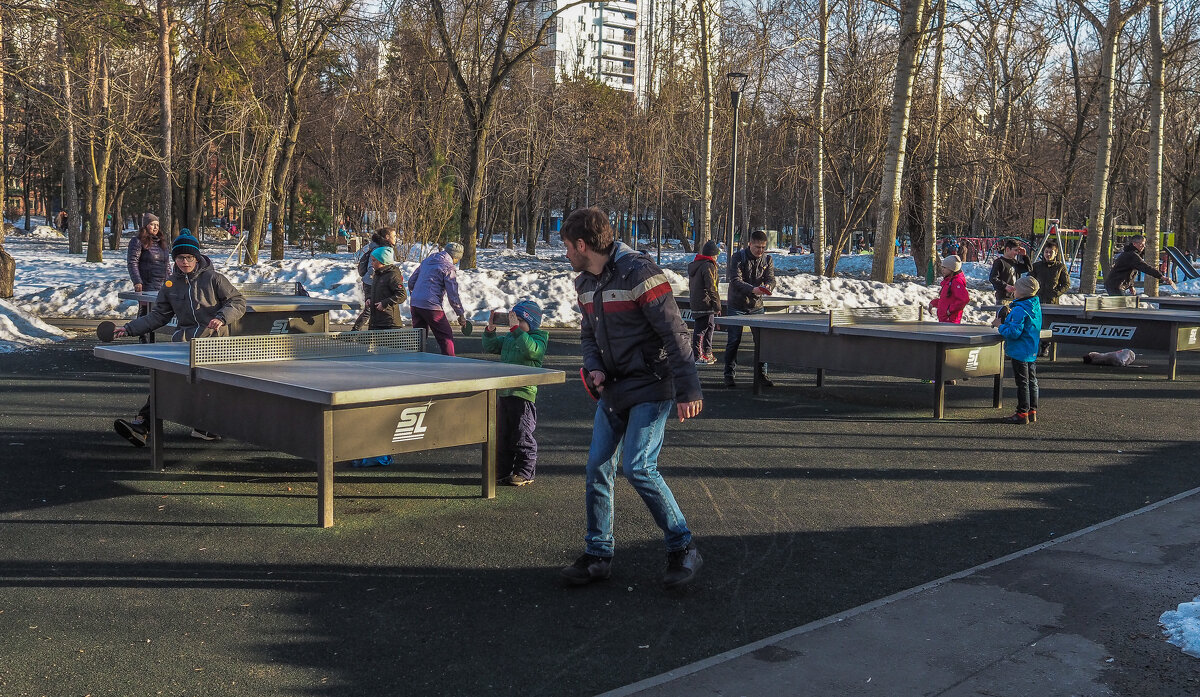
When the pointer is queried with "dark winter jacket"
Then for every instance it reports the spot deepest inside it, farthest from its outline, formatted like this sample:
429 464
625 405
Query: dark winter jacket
1053 280
952 298
703 293
518 347
365 271
1005 271
1022 329
1125 268
633 333
147 265
745 273
387 288
193 300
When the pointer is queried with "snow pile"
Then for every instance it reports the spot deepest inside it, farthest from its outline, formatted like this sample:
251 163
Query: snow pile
20 330
1182 627
52 283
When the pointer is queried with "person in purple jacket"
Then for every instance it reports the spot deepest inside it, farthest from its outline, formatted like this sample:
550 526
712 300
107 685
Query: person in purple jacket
147 257
437 278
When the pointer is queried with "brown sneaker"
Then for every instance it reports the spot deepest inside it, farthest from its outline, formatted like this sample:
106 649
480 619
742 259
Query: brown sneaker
1032 415
1020 417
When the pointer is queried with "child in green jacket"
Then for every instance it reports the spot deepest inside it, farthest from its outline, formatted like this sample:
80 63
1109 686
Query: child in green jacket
524 344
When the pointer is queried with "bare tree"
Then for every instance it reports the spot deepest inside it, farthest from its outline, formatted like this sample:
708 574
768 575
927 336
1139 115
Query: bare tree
912 27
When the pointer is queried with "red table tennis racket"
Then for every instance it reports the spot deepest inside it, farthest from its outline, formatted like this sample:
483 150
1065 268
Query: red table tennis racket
105 331
592 389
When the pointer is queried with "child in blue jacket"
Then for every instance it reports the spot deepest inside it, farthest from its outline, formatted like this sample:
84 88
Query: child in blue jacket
523 343
1022 329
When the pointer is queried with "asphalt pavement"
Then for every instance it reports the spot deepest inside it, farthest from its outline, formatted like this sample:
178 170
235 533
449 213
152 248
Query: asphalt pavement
209 578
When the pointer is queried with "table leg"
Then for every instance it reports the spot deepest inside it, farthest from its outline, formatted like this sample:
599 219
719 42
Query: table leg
156 425
325 473
820 377
1053 351
939 384
998 387
489 449
1173 354
757 383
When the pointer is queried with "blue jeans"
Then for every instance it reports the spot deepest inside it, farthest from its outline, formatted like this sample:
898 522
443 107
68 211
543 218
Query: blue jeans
635 439
733 339
1025 375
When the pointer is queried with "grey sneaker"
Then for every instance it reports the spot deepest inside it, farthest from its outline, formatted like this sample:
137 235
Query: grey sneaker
515 480
586 569
682 566
134 431
204 435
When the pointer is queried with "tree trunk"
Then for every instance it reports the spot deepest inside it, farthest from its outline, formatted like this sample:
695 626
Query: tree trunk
99 162
166 65
1110 33
704 227
926 252
472 194
819 224
3 162
1155 165
911 28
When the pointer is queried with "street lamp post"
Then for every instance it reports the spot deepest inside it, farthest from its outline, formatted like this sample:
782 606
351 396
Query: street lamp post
737 82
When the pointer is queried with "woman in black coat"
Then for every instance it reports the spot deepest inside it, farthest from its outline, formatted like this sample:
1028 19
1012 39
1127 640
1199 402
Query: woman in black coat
1051 274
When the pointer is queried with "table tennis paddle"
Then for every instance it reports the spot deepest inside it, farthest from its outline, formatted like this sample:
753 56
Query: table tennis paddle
468 328
105 331
590 387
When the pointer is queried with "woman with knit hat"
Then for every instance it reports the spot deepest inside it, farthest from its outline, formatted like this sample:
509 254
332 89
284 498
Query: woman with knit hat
146 259
524 343
705 299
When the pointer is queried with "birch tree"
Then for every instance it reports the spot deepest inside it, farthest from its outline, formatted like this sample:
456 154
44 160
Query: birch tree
912 26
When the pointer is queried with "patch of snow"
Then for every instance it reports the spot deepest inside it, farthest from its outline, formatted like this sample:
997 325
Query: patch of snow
1182 627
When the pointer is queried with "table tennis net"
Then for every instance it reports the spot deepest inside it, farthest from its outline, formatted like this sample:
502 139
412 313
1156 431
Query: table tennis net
269 288
846 316
288 347
1109 302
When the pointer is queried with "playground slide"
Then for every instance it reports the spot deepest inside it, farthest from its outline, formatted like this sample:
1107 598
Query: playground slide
1181 262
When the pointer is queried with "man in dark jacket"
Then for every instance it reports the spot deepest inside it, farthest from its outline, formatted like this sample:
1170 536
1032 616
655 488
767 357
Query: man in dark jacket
387 290
1126 267
704 296
1007 267
636 353
751 275
200 299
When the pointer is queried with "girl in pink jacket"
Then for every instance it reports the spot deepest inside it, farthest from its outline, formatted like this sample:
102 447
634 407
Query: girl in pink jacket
953 297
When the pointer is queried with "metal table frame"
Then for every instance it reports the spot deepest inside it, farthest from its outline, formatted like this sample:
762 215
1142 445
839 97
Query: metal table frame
940 352
271 308
248 402
1120 322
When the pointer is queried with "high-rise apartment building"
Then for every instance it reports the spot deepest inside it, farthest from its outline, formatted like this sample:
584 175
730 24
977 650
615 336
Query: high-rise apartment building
615 42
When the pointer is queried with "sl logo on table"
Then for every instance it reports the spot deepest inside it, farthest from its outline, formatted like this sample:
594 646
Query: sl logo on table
280 326
411 424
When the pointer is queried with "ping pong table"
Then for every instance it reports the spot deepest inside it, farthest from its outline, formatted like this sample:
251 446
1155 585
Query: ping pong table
771 305
1173 302
1119 321
271 308
327 397
891 341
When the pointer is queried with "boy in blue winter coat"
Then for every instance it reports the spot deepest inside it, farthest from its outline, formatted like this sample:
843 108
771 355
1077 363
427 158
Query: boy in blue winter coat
524 343
1021 329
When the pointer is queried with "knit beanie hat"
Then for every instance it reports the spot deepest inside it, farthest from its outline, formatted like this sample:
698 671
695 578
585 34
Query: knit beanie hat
711 248
384 255
529 311
149 218
1026 287
455 250
185 244
952 262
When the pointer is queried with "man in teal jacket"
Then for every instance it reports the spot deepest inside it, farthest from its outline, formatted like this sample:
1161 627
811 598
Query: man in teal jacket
524 344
